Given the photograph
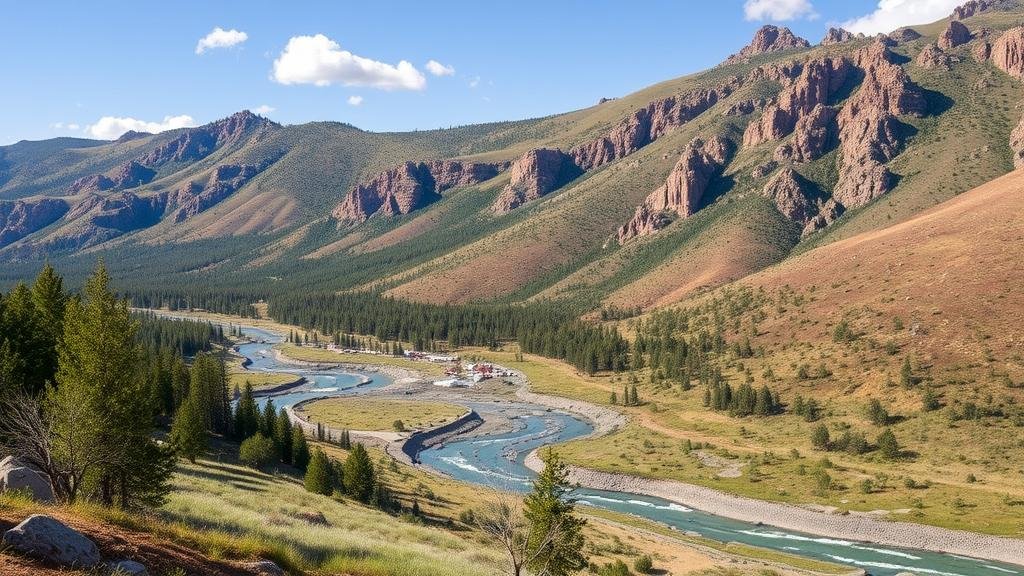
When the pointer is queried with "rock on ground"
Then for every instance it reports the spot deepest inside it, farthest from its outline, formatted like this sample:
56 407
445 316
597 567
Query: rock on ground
52 541
126 568
15 475
265 568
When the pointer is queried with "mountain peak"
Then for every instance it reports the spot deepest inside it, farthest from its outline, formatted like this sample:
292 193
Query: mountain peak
769 38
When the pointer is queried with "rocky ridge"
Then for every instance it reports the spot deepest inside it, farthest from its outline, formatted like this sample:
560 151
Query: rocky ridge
682 193
769 39
23 217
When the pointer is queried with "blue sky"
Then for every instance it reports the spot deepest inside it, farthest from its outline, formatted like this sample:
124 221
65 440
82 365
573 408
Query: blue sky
92 69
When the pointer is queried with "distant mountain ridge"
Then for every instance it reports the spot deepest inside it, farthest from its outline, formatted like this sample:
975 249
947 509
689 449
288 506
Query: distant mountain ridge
782 147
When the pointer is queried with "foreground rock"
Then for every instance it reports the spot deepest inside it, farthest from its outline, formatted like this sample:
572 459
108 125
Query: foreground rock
15 475
126 568
264 568
51 541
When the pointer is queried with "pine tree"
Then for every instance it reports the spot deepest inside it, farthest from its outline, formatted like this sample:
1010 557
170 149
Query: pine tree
318 474
300 448
98 358
268 422
907 374
556 539
344 442
359 474
247 417
820 437
888 447
283 436
49 301
188 433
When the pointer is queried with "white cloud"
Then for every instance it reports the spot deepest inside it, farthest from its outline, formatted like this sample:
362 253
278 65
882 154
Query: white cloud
73 126
320 61
112 127
263 109
65 126
438 69
893 14
355 100
220 38
474 82
778 9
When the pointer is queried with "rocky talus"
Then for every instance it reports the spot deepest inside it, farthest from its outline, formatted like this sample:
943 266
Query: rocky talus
409 186
682 193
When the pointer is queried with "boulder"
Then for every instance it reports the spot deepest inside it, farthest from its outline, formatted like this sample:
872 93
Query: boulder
126 568
954 35
15 475
50 540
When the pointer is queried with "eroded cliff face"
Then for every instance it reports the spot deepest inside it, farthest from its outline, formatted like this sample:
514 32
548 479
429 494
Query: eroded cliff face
868 126
838 36
683 192
954 35
534 175
194 198
409 186
23 217
1007 52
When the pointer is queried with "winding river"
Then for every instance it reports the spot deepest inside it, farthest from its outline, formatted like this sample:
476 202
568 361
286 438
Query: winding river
497 460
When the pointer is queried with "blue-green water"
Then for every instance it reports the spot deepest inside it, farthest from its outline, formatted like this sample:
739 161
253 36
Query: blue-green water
497 461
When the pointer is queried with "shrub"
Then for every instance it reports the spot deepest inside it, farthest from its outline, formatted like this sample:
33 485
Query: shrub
257 451
643 564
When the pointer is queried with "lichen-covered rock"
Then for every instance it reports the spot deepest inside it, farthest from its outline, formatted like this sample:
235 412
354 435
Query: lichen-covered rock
1007 52
535 174
683 191
769 39
16 475
51 541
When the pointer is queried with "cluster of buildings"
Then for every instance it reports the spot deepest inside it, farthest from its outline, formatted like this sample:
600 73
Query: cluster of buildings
462 377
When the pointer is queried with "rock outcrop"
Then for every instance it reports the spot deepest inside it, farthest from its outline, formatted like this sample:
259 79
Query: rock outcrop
769 39
982 50
818 81
973 7
1017 144
197 143
647 124
905 34
194 198
132 174
408 187
868 127
535 174
811 136
94 183
126 568
793 196
932 57
51 541
16 475
1008 52
954 35
837 36
683 191
23 217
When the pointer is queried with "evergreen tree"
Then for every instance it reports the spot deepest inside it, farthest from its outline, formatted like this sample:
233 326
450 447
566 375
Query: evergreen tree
188 433
556 533
283 436
906 374
247 416
930 400
257 451
49 301
876 413
820 437
268 423
888 447
344 441
318 474
300 448
359 474
98 360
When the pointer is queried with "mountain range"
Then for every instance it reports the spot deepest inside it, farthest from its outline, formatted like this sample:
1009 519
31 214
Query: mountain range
635 202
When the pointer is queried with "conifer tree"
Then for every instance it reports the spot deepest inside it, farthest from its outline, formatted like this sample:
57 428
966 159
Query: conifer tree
556 539
283 436
268 422
247 418
888 447
359 474
300 448
318 474
188 433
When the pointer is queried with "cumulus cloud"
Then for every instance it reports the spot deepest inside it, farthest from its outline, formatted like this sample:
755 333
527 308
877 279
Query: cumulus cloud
263 109
438 69
112 127
320 61
893 14
355 100
779 10
220 38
